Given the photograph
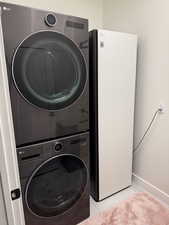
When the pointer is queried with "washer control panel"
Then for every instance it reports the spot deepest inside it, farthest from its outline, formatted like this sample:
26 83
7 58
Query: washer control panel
30 157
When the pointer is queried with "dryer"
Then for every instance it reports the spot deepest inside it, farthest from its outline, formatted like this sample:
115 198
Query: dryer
55 181
47 62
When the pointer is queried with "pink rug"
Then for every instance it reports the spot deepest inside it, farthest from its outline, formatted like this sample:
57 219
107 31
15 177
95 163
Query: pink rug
140 209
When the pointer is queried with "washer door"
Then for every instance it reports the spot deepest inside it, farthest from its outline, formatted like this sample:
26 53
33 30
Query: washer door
49 70
56 186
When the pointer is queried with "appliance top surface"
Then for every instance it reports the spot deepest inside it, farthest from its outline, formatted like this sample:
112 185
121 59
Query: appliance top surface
9 6
78 137
100 31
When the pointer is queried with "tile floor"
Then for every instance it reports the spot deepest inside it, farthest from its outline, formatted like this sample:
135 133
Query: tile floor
97 207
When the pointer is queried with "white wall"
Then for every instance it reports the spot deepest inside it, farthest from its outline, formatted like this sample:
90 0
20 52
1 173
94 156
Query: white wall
90 9
150 20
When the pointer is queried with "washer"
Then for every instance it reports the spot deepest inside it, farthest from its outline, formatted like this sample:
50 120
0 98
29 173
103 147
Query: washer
47 62
55 181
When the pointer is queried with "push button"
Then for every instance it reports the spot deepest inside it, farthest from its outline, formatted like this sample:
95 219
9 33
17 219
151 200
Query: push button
50 20
58 147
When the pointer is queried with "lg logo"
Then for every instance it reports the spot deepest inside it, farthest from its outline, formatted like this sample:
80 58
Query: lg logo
6 9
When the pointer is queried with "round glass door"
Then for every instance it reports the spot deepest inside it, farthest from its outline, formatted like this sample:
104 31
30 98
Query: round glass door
56 186
49 70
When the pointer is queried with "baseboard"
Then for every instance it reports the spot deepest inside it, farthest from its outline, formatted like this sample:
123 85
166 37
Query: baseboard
145 185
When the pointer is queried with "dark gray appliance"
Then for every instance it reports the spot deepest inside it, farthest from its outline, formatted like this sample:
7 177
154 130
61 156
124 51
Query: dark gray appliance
55 181
47 62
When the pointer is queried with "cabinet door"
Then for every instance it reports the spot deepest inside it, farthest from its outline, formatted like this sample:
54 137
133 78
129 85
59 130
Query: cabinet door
116 96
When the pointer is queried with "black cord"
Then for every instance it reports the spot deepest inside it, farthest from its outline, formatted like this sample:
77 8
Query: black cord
140 142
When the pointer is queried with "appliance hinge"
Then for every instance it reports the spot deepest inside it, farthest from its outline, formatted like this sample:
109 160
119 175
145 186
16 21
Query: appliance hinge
15 194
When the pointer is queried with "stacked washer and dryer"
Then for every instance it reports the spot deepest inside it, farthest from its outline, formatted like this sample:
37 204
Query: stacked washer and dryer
47 63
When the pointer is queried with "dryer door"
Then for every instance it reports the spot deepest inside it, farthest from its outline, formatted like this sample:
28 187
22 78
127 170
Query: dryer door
56 185
49 70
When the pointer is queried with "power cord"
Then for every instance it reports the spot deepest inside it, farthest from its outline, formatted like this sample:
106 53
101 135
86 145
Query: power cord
148 128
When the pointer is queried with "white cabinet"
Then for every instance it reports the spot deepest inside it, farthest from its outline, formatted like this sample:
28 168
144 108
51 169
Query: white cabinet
115 75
